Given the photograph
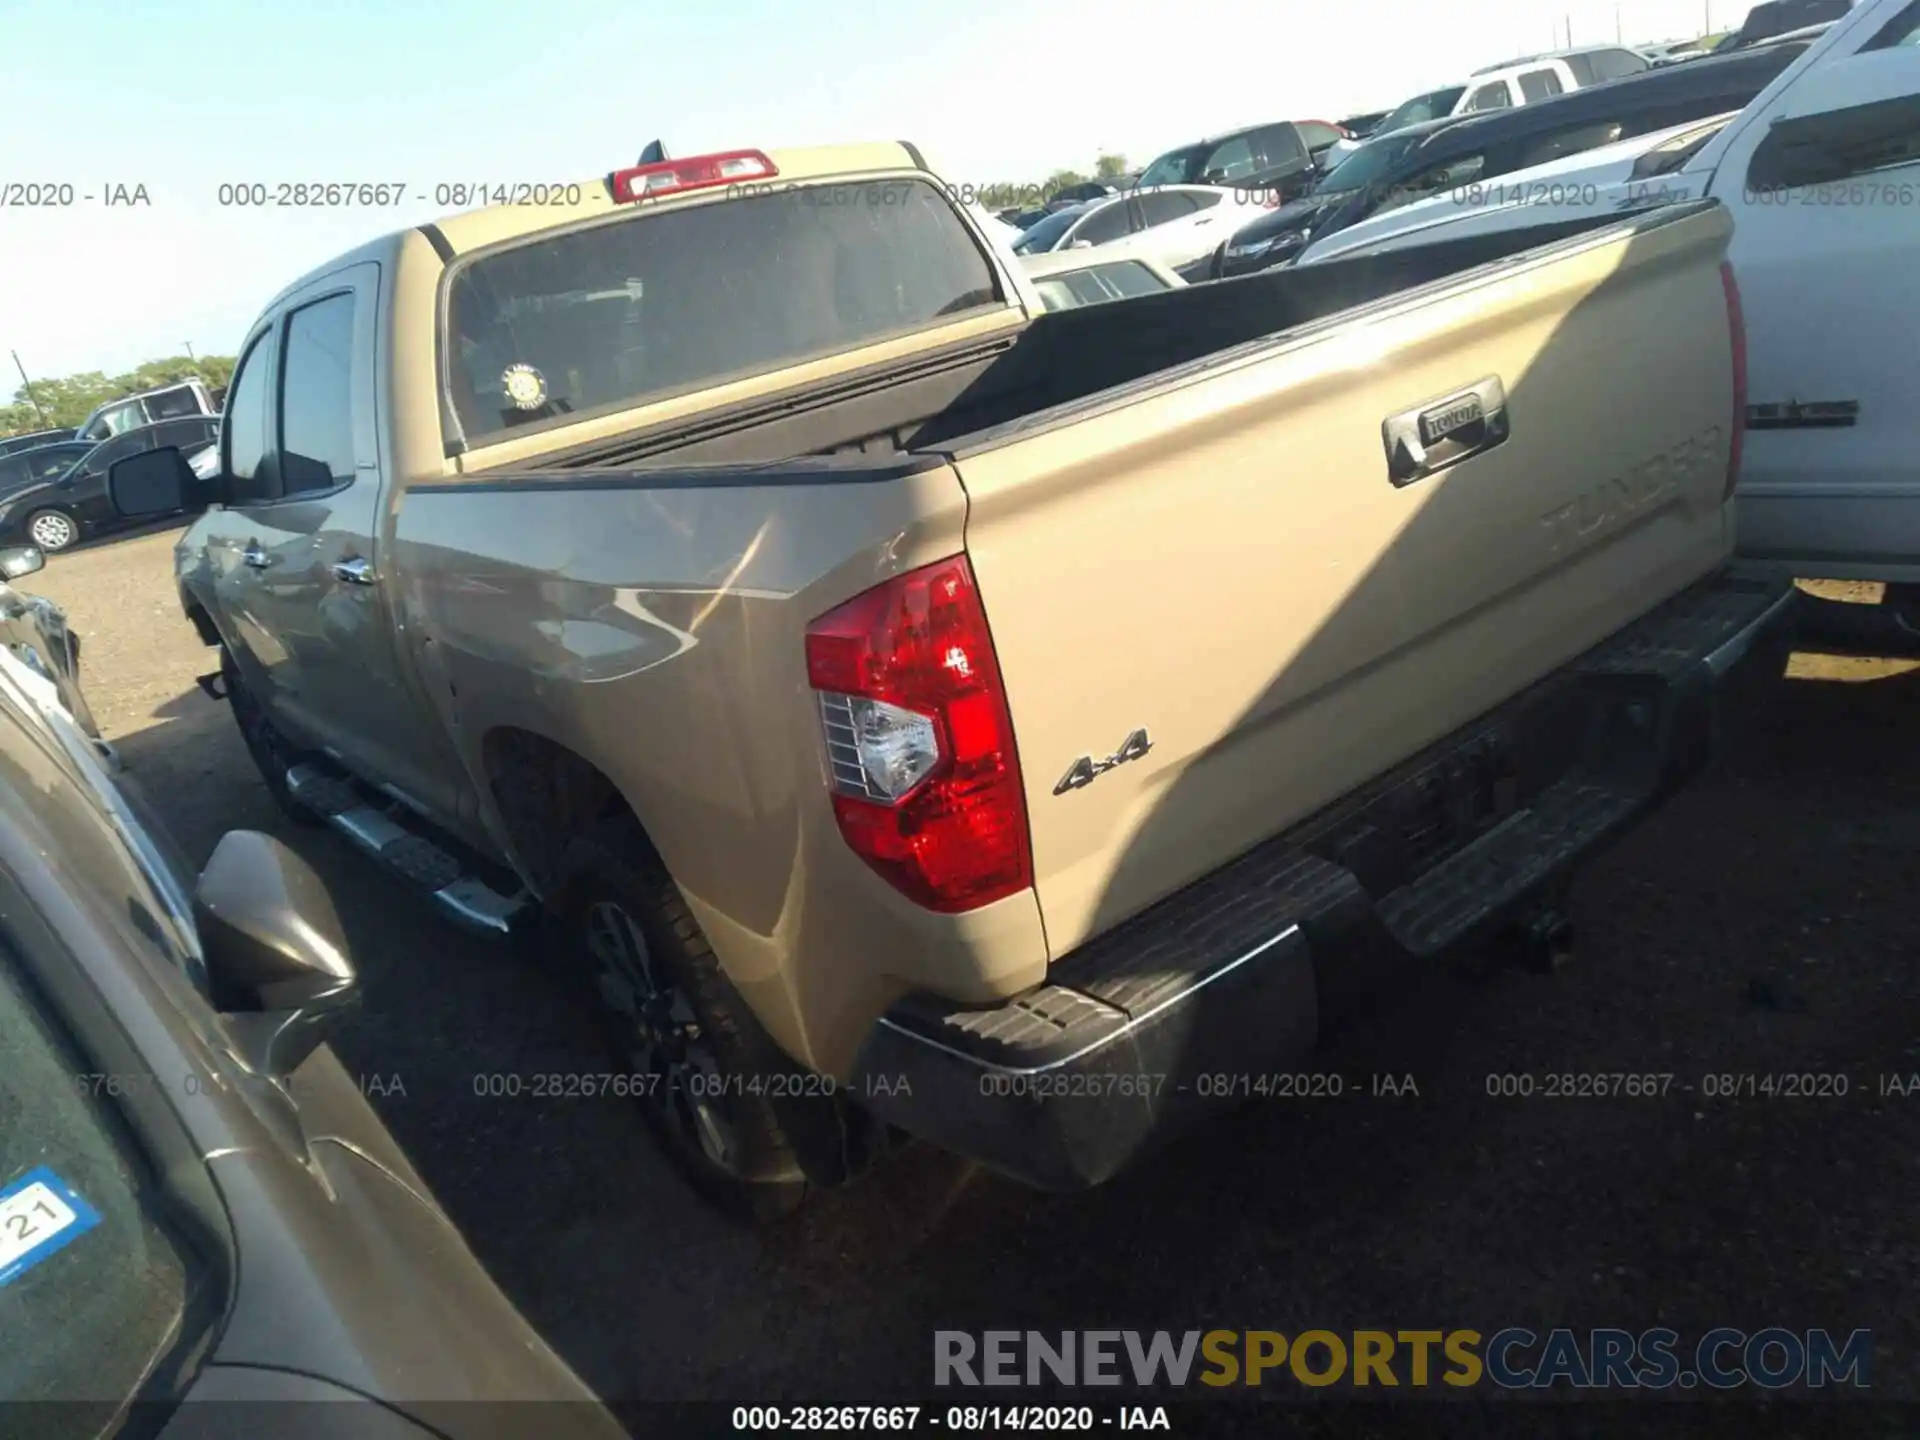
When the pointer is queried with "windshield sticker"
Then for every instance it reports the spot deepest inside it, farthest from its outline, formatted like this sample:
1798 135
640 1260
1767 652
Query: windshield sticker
40 1214
526 387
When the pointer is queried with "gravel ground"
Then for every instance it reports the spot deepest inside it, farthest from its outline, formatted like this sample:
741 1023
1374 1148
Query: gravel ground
1764 922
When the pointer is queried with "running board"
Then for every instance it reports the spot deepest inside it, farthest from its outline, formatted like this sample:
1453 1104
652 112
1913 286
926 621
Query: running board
378 826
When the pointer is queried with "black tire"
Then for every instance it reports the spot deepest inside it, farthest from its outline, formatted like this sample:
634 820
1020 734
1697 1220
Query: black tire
709 1073
53 530
271 753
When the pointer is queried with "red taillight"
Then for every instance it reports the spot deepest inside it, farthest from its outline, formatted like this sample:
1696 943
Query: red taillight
671 177
1737 330
926 783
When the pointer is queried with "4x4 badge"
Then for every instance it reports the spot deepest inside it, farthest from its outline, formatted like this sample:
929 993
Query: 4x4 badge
1086 769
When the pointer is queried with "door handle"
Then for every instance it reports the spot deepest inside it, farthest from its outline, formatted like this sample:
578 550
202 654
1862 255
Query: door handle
1427 438
355 571
255 558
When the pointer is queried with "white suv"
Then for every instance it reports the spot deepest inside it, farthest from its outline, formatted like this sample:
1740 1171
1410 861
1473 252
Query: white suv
1502 86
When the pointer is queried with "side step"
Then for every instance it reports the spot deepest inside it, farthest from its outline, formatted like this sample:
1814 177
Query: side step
381 830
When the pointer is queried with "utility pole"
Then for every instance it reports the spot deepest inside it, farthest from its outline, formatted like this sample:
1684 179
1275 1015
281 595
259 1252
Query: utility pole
190 354
1616 23
31 398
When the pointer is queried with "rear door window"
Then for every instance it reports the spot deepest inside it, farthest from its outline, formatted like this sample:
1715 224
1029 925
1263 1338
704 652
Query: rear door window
1573 140
1278 146
1539 85
1615 64
1109 222
664 301
1163 206
1231 160
1317 135
316 396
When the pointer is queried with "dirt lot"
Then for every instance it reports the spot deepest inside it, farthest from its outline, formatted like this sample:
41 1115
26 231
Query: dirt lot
1765 922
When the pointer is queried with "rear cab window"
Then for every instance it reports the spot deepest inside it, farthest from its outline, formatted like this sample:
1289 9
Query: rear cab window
1098 283
659 302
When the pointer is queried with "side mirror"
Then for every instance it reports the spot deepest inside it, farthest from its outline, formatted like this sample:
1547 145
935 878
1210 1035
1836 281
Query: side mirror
276 956
17 561
154 482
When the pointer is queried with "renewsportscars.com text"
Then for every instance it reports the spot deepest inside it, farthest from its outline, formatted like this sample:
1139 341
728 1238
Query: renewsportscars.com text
1515 1358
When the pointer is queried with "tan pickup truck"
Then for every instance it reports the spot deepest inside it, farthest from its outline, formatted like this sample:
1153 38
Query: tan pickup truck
936 715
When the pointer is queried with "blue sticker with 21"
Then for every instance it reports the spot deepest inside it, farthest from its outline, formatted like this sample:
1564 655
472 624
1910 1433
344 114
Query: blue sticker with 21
40 1215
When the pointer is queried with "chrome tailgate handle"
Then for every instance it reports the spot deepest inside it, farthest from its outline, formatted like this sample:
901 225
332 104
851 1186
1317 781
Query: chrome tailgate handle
356 571
1427 438
254 558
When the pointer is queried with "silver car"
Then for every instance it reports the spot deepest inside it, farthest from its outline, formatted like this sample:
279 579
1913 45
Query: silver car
201 1219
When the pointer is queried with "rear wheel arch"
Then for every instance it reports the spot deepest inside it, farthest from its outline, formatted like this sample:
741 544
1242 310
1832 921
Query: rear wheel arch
546 794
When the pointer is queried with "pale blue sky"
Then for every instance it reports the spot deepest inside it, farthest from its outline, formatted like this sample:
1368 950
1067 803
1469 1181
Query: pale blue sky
183 96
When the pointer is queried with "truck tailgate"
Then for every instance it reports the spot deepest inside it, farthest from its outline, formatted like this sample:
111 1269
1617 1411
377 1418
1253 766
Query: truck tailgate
1230 559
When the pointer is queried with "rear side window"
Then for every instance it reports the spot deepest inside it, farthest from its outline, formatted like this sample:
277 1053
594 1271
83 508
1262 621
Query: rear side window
1539 85
1279 145
1582 69
666 301
1491 97
1570 141
1109 222
170 404
1613 64
1132 278
53 464
1163 206
1317 136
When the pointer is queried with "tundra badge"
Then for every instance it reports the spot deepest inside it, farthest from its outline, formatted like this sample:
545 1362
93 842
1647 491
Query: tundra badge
1086 769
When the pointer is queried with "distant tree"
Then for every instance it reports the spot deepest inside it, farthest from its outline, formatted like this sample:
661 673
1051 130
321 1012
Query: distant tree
1109 167
69 399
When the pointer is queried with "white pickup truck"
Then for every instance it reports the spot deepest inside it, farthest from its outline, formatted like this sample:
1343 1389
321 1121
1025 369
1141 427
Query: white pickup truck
1822 175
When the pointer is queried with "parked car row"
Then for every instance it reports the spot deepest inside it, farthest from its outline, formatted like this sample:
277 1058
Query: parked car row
54 495
1466 161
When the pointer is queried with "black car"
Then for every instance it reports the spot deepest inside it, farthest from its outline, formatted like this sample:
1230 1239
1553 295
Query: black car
197 1203
57 514
34 438
24 468
1422 161
1280 157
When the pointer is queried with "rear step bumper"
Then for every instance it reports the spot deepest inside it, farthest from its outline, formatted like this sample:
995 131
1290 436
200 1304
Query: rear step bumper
1151 1026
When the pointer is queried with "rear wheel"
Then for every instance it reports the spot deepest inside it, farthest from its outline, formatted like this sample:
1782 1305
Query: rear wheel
53 530
710 1082
271 753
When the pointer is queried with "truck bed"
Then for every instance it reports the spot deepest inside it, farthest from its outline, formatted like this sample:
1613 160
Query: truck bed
940 400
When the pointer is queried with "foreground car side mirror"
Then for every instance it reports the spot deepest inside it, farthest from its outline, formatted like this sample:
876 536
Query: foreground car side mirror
276 956
154 482
18 561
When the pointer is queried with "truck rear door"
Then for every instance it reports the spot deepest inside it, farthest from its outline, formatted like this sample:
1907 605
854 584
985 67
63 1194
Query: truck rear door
1223 599
1824 181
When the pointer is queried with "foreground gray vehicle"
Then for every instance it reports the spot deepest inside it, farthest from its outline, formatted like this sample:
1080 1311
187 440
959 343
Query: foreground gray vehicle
35 632
196 1203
